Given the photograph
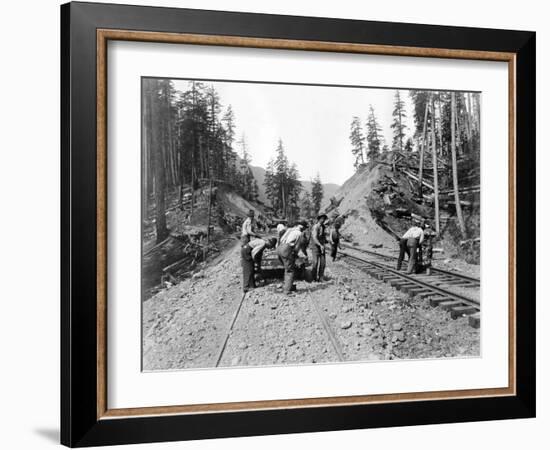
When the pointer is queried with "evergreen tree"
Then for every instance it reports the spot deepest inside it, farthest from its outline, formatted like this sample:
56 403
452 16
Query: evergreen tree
419 99
306 206
316 194
228 155
398 125
373 135
282 184
269 183
357 141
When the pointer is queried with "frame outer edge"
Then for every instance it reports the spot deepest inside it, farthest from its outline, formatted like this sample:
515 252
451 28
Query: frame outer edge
78 427
65 334
526 226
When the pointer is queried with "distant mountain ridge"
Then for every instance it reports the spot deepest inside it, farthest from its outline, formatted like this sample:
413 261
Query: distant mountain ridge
329 189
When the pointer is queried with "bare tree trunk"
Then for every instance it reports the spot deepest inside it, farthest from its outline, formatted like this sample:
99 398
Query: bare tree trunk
162 231
422 147
192 187
145 150
440 127
455 174
209 213
434 165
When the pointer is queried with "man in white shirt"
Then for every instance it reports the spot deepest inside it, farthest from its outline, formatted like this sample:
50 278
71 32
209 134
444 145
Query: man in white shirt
247 230
281 230
287 250
409 244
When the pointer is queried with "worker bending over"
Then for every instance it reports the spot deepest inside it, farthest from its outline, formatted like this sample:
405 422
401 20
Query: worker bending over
287 251
409 244
251 259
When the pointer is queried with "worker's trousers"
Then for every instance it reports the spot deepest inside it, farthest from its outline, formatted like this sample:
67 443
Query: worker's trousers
410 247
402 250
318 261
247 263
288 259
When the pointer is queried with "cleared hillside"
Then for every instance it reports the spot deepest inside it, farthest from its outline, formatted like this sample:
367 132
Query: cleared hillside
359 225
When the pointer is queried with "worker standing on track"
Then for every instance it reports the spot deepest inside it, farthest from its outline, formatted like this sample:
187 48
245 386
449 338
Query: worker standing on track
247 230
287 251
317 246
334 239
251 259
409 244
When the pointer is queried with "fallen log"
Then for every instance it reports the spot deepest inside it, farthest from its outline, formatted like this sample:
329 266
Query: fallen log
157 245
414 177
469 241
177 264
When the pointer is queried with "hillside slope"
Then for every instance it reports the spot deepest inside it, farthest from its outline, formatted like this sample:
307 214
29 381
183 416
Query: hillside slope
359 225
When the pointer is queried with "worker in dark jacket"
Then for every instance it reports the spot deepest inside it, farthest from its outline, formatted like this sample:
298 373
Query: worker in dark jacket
251 255
317 246
334 239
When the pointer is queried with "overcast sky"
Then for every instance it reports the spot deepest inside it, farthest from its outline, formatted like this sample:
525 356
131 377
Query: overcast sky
313 122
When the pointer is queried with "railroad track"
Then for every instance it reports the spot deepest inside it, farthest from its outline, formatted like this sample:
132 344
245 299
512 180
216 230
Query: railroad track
436 288
454 278
334 342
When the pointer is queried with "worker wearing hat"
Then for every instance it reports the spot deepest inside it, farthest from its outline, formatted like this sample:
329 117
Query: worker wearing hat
247 230
251 260
287 251
317 246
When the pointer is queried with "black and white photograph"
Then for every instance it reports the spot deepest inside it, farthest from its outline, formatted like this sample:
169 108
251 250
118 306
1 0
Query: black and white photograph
287 224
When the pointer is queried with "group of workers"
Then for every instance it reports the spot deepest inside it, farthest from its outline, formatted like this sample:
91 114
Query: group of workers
291 242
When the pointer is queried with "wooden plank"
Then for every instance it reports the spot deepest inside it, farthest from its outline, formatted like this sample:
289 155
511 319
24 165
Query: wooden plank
475 320
459 311
436 301
447 306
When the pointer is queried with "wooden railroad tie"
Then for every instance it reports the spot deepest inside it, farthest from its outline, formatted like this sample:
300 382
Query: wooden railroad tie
447 306
475 320
459 311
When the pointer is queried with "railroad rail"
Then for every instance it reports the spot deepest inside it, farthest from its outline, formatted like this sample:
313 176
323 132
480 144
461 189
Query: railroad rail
458 279
229 330
436 288
328 330
334 342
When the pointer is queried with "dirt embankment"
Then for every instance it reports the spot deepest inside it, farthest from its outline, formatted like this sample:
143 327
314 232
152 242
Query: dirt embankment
376 205
189 242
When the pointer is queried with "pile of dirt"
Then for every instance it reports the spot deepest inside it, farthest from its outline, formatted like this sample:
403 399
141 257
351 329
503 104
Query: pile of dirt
359 225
